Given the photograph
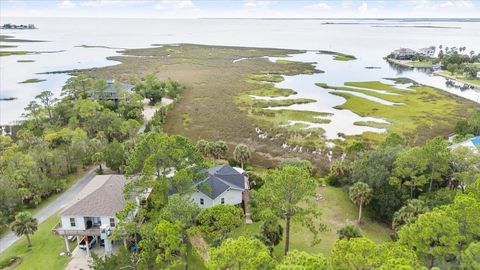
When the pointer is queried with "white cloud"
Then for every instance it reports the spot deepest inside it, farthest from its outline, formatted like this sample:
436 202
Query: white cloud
104 3
67 4
464 4
364 9
320 5
177 4
257 3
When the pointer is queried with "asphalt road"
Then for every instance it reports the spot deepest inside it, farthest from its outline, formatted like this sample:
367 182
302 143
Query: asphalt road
53 207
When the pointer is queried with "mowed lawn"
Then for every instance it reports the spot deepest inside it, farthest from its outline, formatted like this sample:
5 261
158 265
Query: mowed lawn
45 250
337 211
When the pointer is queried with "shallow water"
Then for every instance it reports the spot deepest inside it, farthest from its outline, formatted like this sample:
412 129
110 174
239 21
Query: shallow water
364 39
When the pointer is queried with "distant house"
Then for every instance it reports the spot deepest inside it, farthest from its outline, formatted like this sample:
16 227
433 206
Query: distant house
111 92
428 51
92 213
478 74
223 185
473 143
403 54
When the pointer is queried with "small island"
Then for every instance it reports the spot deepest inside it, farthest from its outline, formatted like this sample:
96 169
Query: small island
34 80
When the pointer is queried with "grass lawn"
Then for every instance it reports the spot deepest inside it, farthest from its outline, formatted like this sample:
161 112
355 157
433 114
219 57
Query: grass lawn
337 212
460 78
45 250
424 111
420 63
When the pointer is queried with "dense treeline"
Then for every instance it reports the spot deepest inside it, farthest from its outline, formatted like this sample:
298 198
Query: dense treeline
59 136
456 60
430 193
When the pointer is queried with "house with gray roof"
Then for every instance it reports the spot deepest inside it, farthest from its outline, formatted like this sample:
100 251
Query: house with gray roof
223 184
92 212
112 90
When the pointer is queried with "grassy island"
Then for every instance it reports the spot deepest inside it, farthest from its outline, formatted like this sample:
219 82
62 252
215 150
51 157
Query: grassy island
34 80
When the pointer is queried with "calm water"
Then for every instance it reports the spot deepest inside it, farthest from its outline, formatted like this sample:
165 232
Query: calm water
364 39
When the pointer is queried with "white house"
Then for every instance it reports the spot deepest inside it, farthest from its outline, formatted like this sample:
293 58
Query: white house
403 54
94 210
223 185
478 74
428 51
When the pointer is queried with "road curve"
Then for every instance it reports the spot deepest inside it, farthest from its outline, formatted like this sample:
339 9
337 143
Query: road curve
53 207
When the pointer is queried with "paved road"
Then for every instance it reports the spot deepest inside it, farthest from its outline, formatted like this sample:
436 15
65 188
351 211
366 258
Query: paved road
53 207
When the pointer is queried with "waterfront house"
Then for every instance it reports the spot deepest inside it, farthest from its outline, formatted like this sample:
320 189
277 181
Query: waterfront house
111 91
403 54
223 184
91 216
427 51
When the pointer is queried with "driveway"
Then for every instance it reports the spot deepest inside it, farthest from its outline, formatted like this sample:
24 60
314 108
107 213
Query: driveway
53 207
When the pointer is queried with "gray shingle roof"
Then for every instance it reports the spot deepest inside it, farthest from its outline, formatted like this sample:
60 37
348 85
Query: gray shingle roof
212 186
219 179
102 196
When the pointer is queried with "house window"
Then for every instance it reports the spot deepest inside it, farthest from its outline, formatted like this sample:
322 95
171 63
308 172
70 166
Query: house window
72 222
222 201
112 222
201 201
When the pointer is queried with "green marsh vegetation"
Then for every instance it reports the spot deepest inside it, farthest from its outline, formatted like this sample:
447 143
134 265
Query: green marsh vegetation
34 80
219 107
339 56
423 111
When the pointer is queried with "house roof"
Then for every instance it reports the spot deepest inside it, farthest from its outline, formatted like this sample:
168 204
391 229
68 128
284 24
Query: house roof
212 186
473 143
102 196
114 88
219 179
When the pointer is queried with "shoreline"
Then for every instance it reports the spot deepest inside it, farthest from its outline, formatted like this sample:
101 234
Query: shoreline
453 78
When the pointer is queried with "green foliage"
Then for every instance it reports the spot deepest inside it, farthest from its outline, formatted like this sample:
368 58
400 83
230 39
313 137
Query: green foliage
361 253
348 232
471 257
172 153
286 194
296 162
470 125
25 224
114 156
409 213
241 253
271 233
113 262
300 260
154 89
242 154
433 236
410 169
218 221
169 244
360 194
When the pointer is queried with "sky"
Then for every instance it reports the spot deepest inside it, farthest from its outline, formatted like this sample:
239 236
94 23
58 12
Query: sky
241 8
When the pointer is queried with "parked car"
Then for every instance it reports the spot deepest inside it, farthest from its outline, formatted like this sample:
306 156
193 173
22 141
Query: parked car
91 242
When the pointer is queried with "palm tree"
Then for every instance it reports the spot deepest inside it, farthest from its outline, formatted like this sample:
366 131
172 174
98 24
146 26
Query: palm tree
408 213
360 194
203 147
25 224
241 154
